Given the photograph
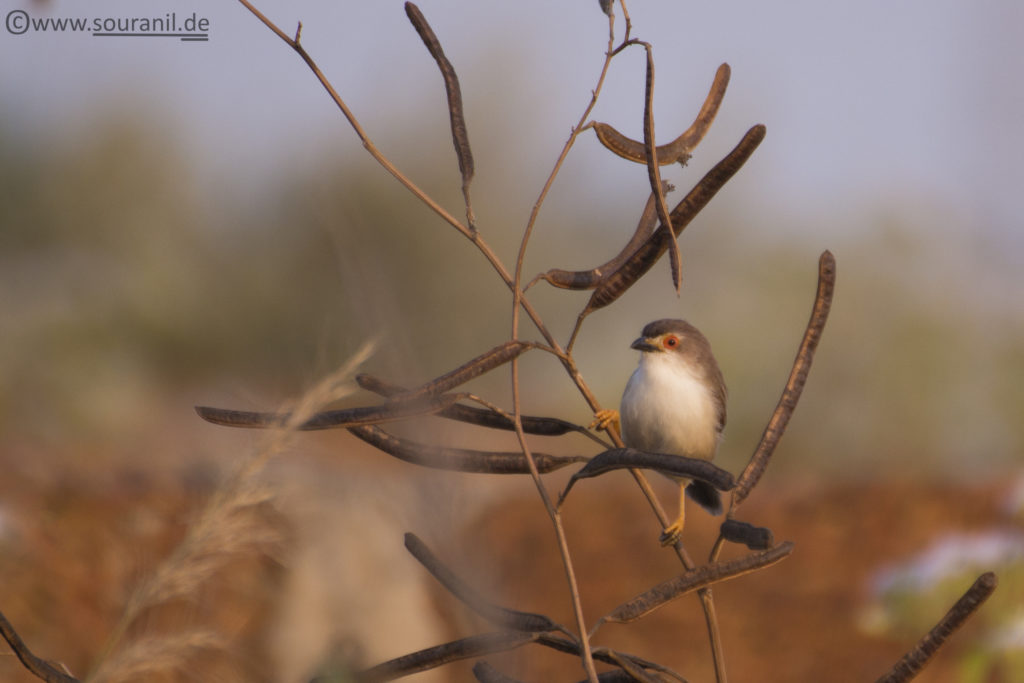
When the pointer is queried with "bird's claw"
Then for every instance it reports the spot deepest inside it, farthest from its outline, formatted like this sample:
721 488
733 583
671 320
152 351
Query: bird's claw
605 418
670 535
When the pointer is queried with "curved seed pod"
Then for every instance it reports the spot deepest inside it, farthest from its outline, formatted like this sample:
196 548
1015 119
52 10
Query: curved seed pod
460 459
679 149
451 85
499 355
911 663
616 284
485 673
588 279
665 463
483 417
331 419
432 657
694 579
499 616
776 426
654 174
605 655
754 537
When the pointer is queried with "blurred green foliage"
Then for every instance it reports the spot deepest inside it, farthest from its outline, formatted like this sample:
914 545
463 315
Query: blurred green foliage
121 281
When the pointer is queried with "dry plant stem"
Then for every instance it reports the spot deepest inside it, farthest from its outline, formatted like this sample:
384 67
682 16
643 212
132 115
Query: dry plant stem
39 668
218 533
911 664
513 283
556 522
517 300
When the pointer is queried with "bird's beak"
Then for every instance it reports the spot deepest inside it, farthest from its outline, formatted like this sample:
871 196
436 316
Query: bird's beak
642 344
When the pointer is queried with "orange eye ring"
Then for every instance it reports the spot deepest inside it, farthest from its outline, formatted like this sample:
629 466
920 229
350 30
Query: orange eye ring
671 342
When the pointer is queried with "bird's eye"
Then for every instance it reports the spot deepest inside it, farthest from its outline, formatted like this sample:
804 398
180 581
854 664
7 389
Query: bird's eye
671 342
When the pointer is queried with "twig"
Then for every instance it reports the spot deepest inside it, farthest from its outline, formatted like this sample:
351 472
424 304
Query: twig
911 664
39 668
517 302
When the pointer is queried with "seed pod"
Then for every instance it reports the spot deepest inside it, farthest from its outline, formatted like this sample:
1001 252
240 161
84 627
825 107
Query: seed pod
499 616
679 149
754 537
451 85
331 419
483 417
667 464
588 279
695 579
616 284
485 362
461 459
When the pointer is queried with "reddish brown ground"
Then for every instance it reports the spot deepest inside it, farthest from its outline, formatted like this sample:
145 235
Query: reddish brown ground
69 555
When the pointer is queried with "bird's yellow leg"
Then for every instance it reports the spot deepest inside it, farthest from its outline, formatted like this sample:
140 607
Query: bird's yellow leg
607 418
672 533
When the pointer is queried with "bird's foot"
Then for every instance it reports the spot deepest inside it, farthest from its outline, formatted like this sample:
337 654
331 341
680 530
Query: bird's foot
606 418
671 534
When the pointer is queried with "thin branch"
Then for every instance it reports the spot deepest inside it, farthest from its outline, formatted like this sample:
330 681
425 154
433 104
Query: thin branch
296 45
517 302
40 668
911 664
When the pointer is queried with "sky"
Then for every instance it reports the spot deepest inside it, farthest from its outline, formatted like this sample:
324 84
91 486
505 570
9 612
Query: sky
867 101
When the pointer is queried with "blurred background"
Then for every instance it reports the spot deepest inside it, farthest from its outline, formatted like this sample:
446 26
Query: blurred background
195 222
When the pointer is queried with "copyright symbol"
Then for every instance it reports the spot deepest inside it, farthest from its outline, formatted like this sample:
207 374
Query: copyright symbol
17 21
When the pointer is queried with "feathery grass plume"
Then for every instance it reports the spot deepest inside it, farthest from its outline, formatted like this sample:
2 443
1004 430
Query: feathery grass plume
152 656
230 526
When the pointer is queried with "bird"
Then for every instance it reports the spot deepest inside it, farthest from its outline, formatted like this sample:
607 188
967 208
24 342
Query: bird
674 403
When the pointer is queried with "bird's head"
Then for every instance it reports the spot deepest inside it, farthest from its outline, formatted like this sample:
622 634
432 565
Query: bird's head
674 337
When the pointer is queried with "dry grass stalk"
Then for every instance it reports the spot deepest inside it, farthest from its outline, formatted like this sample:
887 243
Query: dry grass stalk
231 525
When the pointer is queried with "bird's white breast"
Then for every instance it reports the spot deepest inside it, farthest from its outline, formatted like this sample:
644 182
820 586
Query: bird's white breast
667 409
